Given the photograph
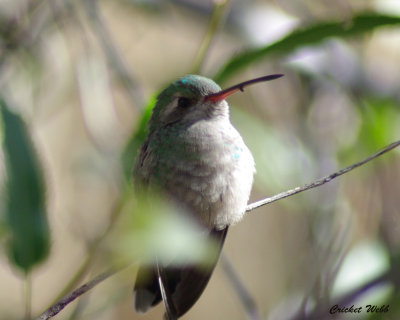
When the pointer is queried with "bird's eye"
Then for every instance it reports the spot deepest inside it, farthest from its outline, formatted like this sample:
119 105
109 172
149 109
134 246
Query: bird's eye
184 102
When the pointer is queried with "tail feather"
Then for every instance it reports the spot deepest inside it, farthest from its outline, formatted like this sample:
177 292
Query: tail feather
185 284
146 293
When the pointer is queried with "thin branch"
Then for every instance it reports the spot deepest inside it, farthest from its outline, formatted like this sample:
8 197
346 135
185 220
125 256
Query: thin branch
76 278
321 181
217 19
56 308
115 59
244 295
28 296
84 267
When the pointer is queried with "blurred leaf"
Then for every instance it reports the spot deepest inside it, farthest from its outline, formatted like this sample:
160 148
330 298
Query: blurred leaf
3 227
379 127
394 308
137 139
363 263
25 208
359 24
380 121
154 227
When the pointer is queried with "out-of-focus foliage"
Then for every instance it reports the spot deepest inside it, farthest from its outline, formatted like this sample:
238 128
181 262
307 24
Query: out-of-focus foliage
381 117
312 35
153 228
137 139
25 195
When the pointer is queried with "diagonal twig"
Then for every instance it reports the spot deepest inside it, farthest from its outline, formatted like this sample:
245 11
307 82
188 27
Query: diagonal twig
217 19
115 59
56 308
321 181
244 295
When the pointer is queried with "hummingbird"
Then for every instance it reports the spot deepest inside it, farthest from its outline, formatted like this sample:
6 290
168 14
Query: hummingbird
196 158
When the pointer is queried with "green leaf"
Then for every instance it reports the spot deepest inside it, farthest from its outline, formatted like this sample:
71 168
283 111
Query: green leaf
380 121
137 139
153 227
25 209
359 24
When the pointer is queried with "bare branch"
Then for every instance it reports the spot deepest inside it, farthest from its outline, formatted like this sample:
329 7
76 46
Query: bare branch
244 295
217 19
321 181
114 58
56 308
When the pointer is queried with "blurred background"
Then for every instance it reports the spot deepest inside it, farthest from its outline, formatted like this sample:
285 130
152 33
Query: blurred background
77 81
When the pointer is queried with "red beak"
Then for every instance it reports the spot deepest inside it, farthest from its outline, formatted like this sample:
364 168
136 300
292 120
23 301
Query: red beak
221 95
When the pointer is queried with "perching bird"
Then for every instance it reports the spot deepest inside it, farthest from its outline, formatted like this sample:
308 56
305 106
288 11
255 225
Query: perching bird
197 159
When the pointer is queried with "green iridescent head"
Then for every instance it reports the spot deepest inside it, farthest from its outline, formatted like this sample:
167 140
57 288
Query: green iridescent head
183 102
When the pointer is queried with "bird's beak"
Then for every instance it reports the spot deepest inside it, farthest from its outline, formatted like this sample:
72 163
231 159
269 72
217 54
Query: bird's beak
223 94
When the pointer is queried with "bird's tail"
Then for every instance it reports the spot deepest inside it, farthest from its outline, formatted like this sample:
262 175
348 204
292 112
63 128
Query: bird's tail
183 284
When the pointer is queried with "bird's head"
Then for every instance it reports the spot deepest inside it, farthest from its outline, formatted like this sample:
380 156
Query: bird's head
194 98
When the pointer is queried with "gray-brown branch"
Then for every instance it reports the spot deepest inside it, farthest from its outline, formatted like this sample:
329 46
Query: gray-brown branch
56 308
321 181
